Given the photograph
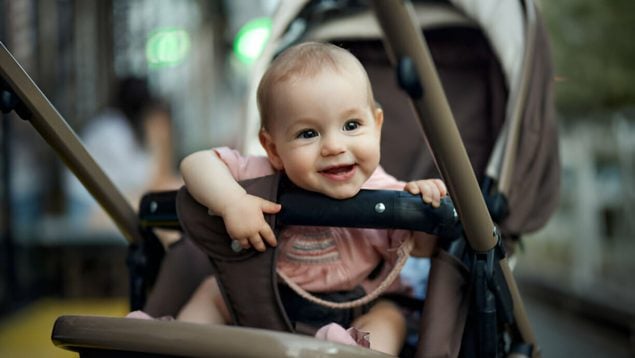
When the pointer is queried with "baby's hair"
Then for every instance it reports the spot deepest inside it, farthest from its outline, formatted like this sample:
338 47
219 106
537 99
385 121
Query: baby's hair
306 59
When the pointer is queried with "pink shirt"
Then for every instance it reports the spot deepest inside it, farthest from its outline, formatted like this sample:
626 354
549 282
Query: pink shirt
322 259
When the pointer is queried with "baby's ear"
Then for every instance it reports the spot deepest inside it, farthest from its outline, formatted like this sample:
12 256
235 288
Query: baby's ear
270 147
379 117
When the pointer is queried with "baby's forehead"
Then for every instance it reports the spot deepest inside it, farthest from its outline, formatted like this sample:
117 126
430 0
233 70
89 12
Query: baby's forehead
321 83
344 67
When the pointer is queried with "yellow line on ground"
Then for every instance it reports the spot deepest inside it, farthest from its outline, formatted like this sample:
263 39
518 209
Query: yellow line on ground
27 333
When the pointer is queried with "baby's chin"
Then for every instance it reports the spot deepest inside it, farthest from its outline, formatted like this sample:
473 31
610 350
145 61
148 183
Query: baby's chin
341 193
333 193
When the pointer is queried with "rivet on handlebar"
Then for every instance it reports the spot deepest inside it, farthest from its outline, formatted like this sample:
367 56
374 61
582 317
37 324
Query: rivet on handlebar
235 245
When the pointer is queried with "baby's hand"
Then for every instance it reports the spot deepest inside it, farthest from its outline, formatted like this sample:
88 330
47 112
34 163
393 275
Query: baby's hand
431 190
245 222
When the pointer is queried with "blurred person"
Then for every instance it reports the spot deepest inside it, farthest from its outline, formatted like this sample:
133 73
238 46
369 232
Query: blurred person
131 141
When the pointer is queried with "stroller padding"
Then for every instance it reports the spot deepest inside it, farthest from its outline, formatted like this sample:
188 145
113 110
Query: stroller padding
244 277
445 312
93 336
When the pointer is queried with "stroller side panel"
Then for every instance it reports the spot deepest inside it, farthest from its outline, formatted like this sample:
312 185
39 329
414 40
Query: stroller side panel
535 184
445 312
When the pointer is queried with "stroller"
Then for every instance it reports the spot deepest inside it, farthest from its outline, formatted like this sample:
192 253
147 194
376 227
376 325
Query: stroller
473 307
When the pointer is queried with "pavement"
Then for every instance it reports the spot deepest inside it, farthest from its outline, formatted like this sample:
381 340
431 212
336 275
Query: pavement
562 332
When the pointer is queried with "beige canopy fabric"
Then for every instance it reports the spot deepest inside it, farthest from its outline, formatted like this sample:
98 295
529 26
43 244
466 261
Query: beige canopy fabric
535 187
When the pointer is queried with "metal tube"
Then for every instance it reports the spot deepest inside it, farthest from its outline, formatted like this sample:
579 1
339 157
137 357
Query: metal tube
403 39
59 135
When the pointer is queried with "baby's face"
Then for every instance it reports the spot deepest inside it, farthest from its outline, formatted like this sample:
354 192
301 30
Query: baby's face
324 133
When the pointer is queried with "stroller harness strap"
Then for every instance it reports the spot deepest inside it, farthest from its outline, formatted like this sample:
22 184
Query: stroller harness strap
247 278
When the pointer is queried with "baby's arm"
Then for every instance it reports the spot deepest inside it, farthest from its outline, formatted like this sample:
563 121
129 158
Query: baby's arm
431 191
210 182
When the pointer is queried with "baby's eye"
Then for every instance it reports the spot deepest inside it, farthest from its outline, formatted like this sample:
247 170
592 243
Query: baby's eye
307 133
351 125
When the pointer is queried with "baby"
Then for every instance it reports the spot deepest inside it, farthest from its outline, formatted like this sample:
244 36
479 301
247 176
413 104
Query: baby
321 127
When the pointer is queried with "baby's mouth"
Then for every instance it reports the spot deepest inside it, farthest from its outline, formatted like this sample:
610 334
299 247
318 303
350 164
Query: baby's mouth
340 172
338 169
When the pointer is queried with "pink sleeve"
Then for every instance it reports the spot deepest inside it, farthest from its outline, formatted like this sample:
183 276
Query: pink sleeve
243 168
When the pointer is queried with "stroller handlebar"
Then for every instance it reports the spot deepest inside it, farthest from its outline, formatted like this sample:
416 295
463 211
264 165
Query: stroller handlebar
369 209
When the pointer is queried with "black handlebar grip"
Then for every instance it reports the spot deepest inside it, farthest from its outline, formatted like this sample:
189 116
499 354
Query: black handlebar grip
158 210
369 209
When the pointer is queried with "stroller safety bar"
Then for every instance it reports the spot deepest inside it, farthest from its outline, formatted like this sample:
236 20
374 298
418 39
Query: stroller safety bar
94 336
368 209
158 210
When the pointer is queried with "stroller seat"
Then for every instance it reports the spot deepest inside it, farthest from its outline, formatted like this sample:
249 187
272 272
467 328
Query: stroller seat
249 276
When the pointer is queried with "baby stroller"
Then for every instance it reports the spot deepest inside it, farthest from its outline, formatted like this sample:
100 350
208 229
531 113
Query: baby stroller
443 331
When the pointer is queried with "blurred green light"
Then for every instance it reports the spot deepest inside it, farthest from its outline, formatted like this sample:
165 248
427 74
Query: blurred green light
167 47
251 39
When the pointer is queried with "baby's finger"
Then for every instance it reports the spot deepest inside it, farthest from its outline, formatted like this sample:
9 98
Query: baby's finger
269 207
443 190
267 234
244 243
435 196
256 242
426 192
412 188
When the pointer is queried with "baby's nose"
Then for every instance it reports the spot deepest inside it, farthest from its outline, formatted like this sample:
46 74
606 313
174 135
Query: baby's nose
332 145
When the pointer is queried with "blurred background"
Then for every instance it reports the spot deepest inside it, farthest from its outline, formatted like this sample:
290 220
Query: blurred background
59 256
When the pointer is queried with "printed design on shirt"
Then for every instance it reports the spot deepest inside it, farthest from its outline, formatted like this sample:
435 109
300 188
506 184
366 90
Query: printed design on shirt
313 247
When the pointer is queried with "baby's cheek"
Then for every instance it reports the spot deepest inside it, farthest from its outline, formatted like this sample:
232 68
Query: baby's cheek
369 149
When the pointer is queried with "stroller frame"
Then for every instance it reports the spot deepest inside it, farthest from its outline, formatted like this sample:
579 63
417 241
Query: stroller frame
408 51
405 43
